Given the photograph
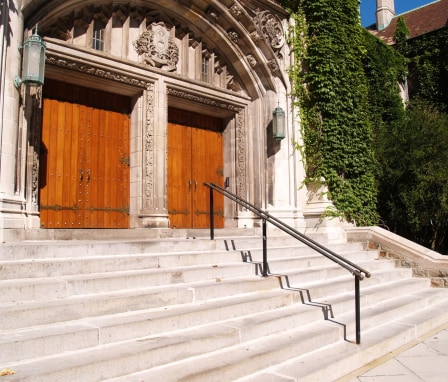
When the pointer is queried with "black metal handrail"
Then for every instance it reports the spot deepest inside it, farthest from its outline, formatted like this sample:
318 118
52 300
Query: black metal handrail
358 272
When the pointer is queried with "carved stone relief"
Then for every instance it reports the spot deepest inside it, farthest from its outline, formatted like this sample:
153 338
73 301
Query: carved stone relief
251 60
92 70
149 148
271 28
235 10
36 143
233 35
203 99
241 154
157 47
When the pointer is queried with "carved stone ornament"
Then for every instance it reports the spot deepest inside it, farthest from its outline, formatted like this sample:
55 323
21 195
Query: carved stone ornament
273 66
256 37
212 14
233 35
157 47
251 60
235 10
94 71
271 28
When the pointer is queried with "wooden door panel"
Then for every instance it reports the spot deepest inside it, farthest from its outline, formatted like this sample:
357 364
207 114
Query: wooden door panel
73 217
67 155
81 165
180 183
97 168
207 167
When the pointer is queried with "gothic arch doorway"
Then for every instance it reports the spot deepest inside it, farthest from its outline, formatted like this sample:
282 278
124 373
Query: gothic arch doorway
195 156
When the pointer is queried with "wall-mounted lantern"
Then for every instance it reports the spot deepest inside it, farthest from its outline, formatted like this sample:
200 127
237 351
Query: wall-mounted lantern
33 66
278 123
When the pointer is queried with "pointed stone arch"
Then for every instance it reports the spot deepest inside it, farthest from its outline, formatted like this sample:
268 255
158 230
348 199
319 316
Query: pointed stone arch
246 40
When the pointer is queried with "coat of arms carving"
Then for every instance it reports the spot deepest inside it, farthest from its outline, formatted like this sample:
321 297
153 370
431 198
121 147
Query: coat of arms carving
157 47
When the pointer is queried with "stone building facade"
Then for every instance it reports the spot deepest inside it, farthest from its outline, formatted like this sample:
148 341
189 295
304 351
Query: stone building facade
92 146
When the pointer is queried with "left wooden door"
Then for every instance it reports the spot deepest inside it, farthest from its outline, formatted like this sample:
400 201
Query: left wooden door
84 178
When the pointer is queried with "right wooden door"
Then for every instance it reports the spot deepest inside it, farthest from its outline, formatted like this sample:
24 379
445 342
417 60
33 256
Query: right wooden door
195 156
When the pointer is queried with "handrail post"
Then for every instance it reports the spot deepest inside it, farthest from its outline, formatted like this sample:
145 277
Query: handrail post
358 311
212 217
265 250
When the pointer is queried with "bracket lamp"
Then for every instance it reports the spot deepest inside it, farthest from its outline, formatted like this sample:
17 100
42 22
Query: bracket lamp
278 123
33 66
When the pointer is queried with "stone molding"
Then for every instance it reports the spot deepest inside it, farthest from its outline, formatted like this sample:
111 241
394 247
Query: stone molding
96 71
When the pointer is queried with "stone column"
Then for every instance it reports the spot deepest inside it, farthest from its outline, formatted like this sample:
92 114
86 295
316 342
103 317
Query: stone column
154 212
12 202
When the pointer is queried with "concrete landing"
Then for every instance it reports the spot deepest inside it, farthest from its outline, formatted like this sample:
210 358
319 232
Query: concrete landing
424 360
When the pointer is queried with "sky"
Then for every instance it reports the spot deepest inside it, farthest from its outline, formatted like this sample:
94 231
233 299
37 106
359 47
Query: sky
368 8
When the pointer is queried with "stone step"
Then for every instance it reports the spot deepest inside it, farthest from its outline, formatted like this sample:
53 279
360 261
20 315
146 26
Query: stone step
281 241
40 235
141 315
67 278
13 251
62 266
181 308
64 249
341 358
118 359
92 331
296 352
285 307
26 314
49 288
62 287
319 288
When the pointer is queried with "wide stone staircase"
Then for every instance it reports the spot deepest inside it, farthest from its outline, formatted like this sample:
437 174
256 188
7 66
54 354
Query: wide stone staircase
187 308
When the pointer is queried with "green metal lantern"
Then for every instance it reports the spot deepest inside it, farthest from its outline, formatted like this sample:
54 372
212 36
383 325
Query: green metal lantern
278 123
33 67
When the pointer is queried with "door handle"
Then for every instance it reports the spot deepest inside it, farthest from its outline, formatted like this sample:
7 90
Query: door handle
88 176
81 176
189 184
195 185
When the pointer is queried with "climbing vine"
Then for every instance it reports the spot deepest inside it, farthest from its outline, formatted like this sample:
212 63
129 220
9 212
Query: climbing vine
330 90
427 58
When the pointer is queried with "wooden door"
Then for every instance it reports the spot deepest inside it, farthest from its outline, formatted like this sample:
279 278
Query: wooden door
84 181
195 156
207 166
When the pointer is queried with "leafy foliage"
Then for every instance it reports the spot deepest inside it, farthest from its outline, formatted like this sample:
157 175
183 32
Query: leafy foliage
411 144
330 90
415 176
428 66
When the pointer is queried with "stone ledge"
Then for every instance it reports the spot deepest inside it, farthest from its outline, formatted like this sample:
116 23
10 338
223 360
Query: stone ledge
407 254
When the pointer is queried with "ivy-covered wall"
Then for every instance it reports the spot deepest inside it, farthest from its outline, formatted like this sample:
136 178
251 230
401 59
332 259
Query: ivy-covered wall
330 90
383 160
